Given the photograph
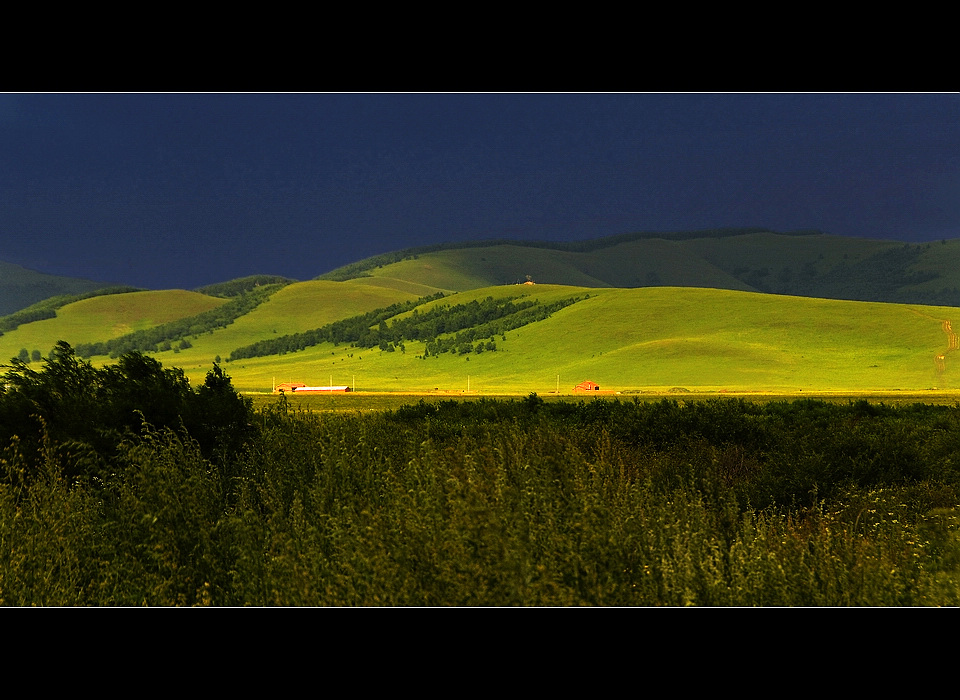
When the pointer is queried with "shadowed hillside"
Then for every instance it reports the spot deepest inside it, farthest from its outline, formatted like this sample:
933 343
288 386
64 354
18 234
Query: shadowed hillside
812 264
20 287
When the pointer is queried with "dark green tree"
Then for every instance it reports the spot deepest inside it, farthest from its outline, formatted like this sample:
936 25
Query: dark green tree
90 412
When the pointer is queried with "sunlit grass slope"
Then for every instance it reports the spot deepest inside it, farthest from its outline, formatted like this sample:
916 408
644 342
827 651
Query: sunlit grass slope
296 308
657 339
105 317
653 338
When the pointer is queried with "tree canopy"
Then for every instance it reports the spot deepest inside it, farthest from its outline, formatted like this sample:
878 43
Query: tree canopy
86 410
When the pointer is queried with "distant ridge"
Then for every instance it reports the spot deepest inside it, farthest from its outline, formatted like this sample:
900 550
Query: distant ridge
356 269
807 263
21 287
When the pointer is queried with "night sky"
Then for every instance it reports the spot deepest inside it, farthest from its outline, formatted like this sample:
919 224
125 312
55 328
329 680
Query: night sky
181 190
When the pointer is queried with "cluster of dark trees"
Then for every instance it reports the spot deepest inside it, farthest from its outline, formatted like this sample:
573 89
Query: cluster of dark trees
482 323
356 330
85 412
174 335
233 288
27 357
456 328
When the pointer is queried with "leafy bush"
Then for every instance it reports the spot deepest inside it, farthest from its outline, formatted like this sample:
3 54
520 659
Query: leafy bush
487 502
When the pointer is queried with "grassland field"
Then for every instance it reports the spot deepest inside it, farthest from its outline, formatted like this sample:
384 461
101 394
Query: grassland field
655 340
637 341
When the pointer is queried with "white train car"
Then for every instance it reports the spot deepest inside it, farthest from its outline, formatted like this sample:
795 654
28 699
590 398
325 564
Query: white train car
318 389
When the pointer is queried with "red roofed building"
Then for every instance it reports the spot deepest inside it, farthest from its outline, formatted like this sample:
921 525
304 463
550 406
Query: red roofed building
587 386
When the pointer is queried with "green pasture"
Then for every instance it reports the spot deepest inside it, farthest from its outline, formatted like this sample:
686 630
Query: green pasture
303 306
298 307
106 317
651 339
654 339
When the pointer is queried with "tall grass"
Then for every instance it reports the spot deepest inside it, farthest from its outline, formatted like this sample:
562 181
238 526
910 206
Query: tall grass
506 503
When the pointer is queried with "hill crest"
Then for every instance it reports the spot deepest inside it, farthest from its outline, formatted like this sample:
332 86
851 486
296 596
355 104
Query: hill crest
799 263
21 287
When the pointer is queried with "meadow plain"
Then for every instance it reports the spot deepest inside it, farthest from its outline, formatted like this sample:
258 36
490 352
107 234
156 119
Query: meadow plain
653 339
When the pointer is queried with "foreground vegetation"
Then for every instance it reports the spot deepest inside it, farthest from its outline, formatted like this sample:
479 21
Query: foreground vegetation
194 498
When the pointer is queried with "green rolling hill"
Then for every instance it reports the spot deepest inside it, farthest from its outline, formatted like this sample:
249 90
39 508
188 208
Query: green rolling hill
105 317
711 311
657 339
801 264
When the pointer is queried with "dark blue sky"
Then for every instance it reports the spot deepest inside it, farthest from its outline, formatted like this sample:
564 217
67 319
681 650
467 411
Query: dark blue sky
181 190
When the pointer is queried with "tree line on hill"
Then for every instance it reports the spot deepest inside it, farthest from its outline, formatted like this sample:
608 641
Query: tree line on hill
48 307
342 331
473 329
461 324
233 288
175 334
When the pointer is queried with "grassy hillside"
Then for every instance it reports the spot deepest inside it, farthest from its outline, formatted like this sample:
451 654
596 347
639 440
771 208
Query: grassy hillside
813 264
654 338
647 339
296 308
638 324
105 317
